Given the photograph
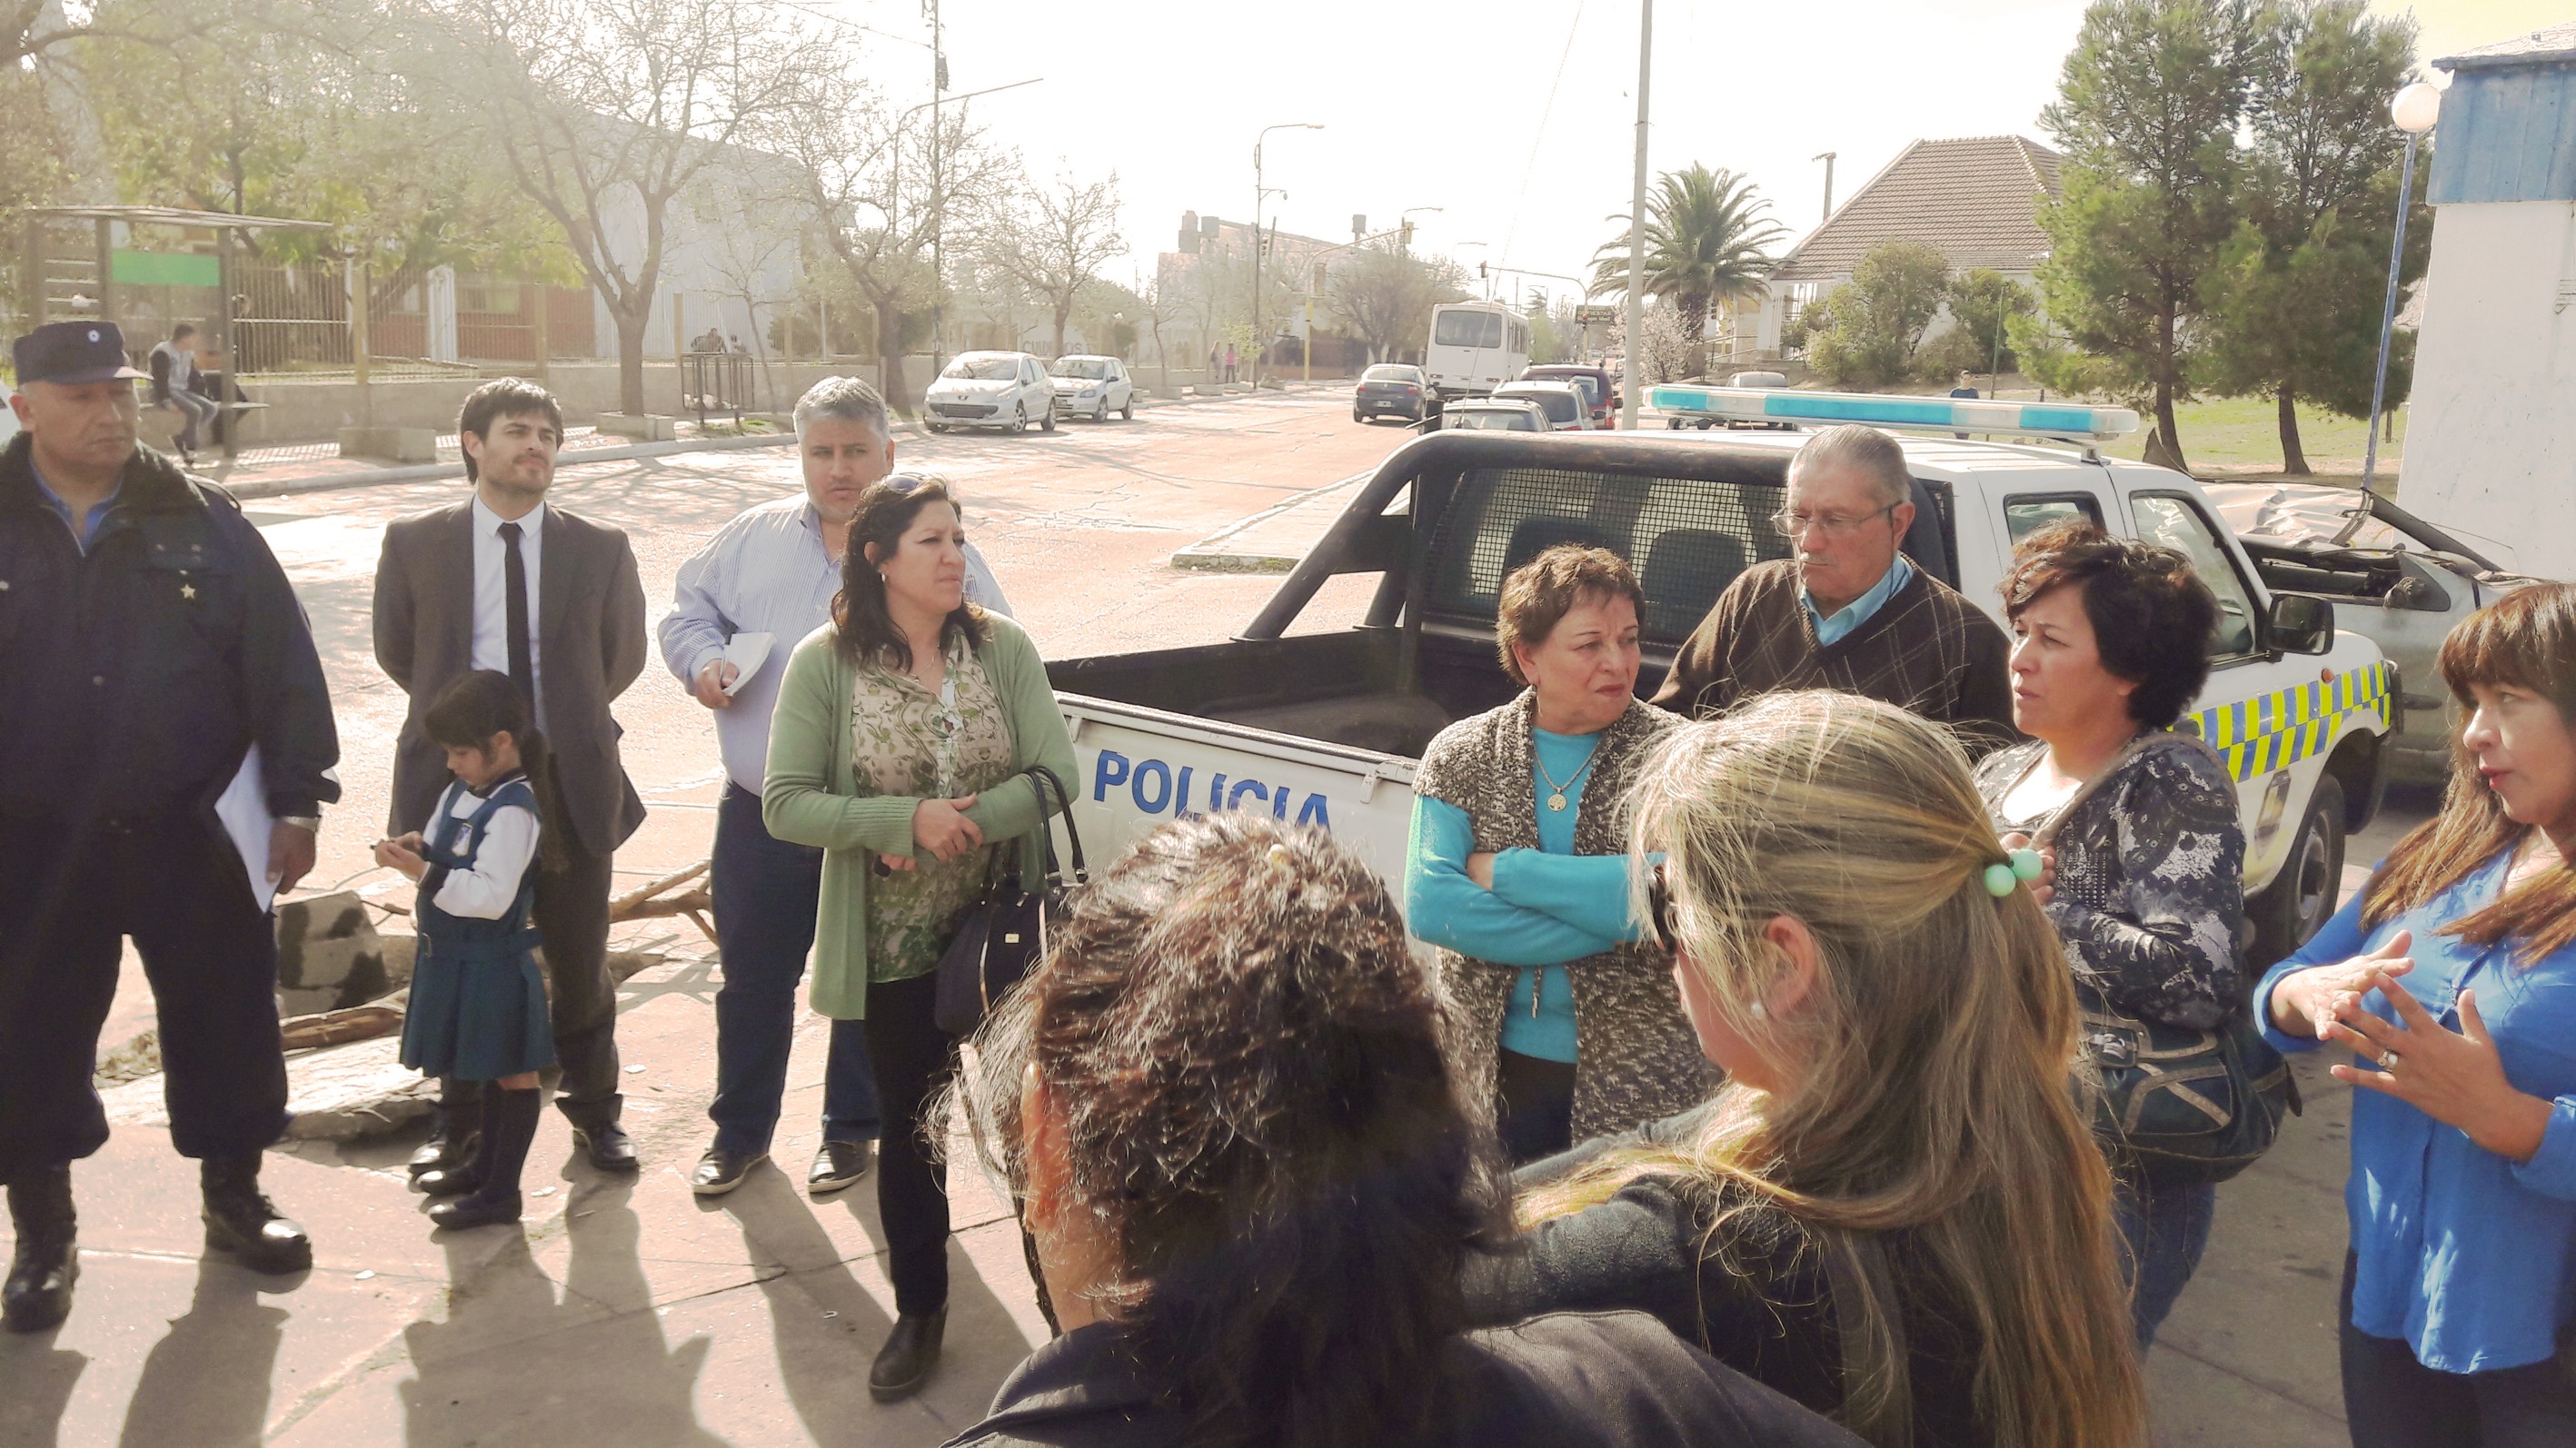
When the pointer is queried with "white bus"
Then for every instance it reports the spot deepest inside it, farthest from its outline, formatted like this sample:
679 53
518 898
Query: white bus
1475 348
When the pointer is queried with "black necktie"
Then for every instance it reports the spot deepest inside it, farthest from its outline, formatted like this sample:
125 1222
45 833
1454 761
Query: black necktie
514 594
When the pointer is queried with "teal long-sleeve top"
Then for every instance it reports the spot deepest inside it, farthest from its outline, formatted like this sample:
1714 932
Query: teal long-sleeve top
1548 905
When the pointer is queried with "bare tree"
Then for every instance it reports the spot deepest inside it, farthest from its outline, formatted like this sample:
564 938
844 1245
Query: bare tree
1385 298
607 111
880 184
1059 240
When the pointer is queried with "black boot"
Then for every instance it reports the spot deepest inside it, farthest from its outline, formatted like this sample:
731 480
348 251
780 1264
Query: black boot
510 1124
453 1129
910 1352
41 1272
242 1221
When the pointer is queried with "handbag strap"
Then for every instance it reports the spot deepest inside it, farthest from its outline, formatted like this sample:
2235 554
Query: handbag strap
1040 777
2046 834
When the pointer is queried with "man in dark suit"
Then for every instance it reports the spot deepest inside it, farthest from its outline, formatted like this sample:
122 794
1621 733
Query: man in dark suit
506 582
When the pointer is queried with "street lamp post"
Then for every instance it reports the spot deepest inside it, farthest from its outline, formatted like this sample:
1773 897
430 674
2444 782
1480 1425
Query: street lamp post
2415 109
1258 192
1636 308
938 201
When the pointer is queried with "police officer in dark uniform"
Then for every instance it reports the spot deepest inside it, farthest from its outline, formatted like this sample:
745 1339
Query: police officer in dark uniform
148 639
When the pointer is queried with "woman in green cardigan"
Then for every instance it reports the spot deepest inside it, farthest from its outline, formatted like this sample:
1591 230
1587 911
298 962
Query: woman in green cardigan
899 729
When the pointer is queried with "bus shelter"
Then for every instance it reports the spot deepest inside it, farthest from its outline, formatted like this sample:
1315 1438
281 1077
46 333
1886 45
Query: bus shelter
91 263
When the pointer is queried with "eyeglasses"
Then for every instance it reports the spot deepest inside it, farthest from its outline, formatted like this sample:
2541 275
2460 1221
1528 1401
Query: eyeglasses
1793 525
1659 899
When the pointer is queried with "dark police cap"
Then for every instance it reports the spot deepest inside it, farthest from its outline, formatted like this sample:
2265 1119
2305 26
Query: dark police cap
72 353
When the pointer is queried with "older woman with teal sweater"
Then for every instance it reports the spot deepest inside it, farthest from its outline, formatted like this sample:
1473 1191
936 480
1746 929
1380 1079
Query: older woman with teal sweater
902 729
1571 1027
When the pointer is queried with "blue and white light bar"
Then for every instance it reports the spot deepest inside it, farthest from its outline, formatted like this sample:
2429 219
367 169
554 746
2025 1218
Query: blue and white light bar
1930 414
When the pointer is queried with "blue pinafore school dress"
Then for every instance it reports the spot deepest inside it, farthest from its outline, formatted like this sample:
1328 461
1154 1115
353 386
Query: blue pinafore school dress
478 1000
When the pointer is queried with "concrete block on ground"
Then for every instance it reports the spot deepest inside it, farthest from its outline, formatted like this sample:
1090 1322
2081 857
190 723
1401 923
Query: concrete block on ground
329 956
651 427
390 444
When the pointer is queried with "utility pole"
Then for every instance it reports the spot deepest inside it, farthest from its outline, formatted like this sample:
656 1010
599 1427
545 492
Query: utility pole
1828 158
1635 374
1259 192
938 200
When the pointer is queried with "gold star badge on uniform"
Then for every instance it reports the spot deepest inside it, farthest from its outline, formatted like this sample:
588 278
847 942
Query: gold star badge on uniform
188 591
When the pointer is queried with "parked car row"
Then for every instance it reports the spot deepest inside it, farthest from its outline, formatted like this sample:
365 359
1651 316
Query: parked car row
1011 390
1560 396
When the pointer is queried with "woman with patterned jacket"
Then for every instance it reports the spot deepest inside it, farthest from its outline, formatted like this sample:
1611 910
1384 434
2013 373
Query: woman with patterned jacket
1569 1022
2110 641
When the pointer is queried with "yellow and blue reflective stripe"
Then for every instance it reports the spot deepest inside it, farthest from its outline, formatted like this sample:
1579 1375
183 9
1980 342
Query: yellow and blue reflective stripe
2276 730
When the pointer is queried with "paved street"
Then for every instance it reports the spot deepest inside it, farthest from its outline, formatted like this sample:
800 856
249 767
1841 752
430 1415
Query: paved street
629 1313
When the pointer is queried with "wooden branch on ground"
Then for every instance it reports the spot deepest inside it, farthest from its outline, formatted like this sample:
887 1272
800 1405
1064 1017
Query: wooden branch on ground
648 902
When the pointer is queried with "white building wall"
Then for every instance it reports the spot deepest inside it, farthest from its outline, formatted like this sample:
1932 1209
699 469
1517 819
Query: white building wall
2491 442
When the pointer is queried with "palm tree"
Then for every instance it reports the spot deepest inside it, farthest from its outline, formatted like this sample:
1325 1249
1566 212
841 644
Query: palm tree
1705 234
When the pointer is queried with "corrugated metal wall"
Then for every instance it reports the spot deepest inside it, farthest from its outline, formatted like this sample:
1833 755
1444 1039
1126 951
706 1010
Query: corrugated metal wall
2508 133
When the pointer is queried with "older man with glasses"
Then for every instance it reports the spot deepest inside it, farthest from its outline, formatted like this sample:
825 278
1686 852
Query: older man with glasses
773 571
1848 610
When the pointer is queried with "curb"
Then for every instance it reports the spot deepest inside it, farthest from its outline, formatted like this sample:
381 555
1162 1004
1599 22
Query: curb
254 490
422 472
1209 556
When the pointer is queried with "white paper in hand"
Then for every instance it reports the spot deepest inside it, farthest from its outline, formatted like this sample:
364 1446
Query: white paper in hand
747 652
244 812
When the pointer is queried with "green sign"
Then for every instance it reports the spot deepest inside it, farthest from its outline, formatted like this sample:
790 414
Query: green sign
166 269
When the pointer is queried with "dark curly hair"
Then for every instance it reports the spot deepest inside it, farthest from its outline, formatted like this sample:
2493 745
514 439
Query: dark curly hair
505 397
2152 616
1258 1111
1540 593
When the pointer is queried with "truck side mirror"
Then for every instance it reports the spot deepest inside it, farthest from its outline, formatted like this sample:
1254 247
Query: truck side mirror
2302 623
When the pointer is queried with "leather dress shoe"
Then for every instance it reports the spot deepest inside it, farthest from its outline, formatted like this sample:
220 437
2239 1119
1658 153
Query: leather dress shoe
45 1262
837 1165
442 1152
242 1221
475 1211
721 1170
448 1181
610 1148
910 1352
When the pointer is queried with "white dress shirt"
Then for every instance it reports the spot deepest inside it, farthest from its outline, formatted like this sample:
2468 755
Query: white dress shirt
492 598
487 891
765 572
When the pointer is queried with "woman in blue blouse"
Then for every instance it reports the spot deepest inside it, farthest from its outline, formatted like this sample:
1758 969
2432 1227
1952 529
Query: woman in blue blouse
1573 1027
2460 1290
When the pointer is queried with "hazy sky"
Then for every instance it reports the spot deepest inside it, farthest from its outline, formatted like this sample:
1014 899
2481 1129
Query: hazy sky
1449 105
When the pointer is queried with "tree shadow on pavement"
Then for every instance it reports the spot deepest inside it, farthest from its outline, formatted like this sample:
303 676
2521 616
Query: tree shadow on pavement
207 1379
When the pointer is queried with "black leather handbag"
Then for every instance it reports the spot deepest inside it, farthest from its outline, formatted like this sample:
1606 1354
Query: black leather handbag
1003 935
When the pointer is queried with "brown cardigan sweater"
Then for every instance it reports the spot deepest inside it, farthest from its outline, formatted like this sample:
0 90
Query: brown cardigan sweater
1927 650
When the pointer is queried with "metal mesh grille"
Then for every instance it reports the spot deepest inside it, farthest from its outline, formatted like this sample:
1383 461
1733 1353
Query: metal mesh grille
1686 537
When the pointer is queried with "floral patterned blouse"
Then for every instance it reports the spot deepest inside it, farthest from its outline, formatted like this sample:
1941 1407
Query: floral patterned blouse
2150 879
906 740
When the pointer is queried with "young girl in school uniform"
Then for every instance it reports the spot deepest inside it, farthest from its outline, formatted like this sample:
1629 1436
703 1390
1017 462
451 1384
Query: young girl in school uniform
478 999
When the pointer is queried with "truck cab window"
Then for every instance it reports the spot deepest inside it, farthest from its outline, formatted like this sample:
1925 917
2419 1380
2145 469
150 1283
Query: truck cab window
2172 522
2027 514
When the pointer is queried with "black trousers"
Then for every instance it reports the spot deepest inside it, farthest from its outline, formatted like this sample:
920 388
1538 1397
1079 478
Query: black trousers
914 1061
571 914
1534 1106
2391 1400
66 904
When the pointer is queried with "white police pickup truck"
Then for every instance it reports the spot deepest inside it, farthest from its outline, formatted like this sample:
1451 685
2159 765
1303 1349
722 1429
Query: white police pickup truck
1325 728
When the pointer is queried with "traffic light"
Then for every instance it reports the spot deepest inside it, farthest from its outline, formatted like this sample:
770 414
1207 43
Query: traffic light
1408 235
1480 271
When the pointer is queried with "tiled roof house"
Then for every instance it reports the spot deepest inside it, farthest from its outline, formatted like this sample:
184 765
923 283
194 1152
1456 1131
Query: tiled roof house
1976 198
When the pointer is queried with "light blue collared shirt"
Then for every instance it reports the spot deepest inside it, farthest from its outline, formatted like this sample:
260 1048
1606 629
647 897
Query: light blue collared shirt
1859 611
765 572
83 529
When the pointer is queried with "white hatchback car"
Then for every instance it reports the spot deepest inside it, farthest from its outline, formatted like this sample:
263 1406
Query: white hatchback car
990 389
1093 387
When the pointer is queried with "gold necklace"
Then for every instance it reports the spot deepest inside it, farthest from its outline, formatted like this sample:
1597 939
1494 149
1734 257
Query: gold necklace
1556 795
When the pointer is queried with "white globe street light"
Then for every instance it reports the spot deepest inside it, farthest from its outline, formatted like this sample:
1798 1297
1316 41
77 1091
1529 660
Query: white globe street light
2416 108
